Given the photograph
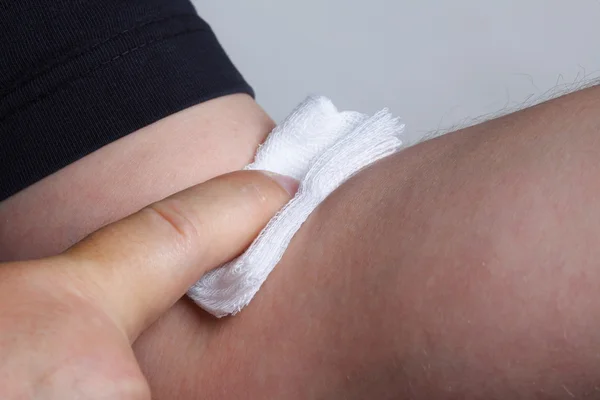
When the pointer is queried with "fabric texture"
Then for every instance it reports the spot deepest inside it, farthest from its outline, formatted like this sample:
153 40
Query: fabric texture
76 75
321 148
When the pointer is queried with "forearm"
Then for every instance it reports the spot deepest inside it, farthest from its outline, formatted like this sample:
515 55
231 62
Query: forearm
179 151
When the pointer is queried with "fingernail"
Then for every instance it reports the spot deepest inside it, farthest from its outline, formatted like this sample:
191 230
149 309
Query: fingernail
287 182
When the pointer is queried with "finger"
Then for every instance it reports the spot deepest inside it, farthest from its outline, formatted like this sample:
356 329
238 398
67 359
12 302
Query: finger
138 267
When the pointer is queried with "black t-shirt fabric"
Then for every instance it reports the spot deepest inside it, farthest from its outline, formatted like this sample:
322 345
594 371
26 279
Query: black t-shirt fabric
76 75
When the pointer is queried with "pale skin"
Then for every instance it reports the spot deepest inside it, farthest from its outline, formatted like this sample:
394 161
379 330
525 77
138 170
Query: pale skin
462 268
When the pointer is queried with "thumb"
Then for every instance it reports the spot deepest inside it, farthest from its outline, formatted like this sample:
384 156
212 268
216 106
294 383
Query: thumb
137 268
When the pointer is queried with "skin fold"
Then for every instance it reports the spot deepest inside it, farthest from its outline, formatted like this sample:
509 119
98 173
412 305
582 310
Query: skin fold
461 268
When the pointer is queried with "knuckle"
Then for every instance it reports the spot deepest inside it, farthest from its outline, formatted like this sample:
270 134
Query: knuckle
181 223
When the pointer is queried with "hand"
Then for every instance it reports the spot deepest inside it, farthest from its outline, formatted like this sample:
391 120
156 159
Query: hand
67 322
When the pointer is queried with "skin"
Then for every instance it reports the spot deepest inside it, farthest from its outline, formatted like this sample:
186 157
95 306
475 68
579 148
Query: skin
177 152
68 321
461 268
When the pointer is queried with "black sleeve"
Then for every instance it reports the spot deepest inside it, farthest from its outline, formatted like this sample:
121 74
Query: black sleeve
76 75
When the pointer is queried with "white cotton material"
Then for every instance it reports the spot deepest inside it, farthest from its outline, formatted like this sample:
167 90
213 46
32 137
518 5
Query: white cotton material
321 148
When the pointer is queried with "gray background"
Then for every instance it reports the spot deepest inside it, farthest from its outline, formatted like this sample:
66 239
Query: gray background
435 63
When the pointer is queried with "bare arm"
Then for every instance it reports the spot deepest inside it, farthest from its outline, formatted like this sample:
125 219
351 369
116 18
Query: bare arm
177 152
463 267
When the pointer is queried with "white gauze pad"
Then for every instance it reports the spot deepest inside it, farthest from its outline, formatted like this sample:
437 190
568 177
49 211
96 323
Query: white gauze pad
321 148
